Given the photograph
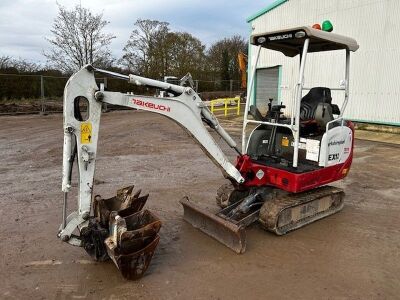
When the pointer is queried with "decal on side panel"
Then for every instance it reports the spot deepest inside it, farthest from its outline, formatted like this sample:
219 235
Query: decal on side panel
151 105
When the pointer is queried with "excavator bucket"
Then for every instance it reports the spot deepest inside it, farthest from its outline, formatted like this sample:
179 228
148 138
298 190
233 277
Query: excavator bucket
126 199
122 231
228 233
132 242
133 266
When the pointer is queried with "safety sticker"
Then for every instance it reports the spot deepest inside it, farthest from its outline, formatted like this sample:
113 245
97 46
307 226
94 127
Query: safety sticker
285 141
302 146
86 133
312 148
260 174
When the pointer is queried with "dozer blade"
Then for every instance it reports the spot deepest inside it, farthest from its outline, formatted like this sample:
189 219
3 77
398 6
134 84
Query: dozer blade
231 235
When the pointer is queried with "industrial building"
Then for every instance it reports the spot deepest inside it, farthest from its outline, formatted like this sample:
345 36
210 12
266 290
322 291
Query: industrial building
374 78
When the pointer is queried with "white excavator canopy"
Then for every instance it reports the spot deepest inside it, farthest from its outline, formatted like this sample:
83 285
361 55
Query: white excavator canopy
290 41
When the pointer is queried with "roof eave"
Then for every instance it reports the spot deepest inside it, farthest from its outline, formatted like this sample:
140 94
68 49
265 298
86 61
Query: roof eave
270 7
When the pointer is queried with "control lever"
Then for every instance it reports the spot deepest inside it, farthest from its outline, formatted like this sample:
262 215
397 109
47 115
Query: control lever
270 104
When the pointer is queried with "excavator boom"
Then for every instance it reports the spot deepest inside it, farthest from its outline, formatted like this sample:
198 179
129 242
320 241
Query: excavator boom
117 228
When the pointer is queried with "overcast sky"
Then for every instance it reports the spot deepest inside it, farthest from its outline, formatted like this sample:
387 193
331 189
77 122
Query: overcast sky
24 24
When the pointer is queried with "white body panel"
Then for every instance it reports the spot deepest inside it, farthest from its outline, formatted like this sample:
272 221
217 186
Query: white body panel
335 146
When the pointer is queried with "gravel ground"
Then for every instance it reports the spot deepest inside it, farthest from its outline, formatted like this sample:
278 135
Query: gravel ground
354 254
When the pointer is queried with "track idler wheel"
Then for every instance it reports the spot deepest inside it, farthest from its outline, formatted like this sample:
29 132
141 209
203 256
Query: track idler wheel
227 194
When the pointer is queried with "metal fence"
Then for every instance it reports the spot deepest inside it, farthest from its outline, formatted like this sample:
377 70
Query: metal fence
226 105
42 93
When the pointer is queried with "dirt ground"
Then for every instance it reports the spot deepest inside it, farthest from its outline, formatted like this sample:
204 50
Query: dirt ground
354 254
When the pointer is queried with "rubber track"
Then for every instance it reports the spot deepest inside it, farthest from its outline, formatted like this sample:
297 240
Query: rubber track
272 209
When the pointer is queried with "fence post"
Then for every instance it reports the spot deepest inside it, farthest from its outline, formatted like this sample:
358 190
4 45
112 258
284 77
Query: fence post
226 107
197 86
105 108
230 87
42 106
238 106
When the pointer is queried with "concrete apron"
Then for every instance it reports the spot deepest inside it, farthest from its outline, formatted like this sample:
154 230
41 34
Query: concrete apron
375 136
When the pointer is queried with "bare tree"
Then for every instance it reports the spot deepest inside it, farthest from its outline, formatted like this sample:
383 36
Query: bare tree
154 51
78 39
185 53
12 65
222 57
25 66
143 51
5 62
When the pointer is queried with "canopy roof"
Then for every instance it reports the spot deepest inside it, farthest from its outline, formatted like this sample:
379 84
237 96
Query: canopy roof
290 41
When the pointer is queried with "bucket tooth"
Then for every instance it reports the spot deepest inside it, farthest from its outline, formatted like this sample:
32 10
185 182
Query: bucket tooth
137 194
231 235
123 192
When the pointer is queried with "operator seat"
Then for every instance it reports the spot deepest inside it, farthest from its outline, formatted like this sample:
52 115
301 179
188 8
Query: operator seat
311 100
323 114
316 110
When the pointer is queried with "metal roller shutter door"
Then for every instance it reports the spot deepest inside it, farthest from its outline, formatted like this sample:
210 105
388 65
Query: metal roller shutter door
267 81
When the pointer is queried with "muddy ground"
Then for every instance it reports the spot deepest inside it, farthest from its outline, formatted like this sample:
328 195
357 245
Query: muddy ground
354 254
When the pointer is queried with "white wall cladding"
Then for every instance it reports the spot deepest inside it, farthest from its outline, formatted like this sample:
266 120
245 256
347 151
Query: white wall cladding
375 67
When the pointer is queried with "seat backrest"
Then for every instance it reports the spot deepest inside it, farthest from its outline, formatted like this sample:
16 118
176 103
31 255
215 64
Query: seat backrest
311 100
323 114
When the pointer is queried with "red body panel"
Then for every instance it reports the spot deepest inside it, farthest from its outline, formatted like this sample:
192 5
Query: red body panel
288 181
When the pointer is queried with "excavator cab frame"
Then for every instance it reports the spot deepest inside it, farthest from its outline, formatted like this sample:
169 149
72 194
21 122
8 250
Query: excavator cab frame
292 42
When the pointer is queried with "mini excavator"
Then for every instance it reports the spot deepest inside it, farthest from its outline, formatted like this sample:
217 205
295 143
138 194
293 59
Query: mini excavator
281 176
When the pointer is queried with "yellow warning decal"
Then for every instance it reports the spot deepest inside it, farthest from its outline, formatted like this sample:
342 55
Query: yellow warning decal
86 133
285 141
